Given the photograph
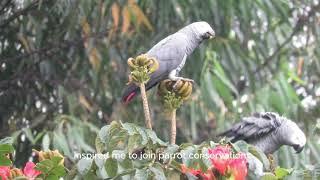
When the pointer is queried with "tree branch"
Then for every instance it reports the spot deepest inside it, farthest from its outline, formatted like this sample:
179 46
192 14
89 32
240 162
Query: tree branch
145 106
19 13
303 20
173 131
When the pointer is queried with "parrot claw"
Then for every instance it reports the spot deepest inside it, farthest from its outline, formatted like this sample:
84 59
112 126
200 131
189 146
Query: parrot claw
181 79
187 79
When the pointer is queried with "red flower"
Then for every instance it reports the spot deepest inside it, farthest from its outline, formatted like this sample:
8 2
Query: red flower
4 172
220 157
228 164
208 175
198 173
30 172
185 170
238 167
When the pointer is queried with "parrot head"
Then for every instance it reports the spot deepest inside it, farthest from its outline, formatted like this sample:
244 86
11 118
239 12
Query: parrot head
294 136
202 30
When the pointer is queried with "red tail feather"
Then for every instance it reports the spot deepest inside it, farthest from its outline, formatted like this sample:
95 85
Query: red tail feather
128 98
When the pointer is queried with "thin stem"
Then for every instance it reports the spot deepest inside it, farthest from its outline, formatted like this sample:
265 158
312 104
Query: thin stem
173 127
145 106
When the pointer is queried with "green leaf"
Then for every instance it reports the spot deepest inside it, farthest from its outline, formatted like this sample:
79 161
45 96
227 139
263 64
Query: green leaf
154 138
51 168
269 176
130 128
100 146
6 140
52 177
143 135
126 163
5 161
186 153
60 141
260 155
219 72
169 151
104 133
84 166
46 142
6 148
45 166
141 174
241 146
56 159
158 173
29 135
282 172
133 143
58 170
111 167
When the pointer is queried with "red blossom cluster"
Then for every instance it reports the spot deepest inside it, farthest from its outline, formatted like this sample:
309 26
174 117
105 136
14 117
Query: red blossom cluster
29 172
224 163
203 175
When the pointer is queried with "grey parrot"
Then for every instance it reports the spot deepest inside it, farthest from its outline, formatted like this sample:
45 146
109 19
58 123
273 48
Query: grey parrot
268 131
171 54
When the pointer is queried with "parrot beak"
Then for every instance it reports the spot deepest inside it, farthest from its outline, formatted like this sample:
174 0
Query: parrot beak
212 35
298 148
208 35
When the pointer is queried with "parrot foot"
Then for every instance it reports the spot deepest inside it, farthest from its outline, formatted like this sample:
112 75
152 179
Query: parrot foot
182 79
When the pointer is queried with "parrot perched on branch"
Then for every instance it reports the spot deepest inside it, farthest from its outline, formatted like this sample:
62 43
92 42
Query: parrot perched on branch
171 54
268 131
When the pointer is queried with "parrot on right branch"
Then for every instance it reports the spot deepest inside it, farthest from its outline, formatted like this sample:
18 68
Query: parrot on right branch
268 131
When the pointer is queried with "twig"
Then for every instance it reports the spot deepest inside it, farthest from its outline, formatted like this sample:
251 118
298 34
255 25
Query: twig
268 60
145 106
19 13
173 127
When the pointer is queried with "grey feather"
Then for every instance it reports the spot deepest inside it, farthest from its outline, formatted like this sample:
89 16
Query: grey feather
268 131
171 51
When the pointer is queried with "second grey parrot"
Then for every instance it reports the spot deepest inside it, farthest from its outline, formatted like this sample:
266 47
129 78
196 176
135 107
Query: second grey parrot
172 53
268 131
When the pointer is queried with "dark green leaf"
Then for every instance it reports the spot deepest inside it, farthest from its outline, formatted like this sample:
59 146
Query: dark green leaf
111 167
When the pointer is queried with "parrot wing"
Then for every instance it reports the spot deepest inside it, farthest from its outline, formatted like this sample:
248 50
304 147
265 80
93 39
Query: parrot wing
169 52
250 128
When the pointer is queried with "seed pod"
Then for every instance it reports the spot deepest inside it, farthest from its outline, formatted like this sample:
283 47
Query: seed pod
134 77
14 173
131 63
43 155
154 66
142 59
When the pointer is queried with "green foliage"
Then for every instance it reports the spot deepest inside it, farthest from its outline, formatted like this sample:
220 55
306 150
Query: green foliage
279 173
5 149
51 169
172 101
130 151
